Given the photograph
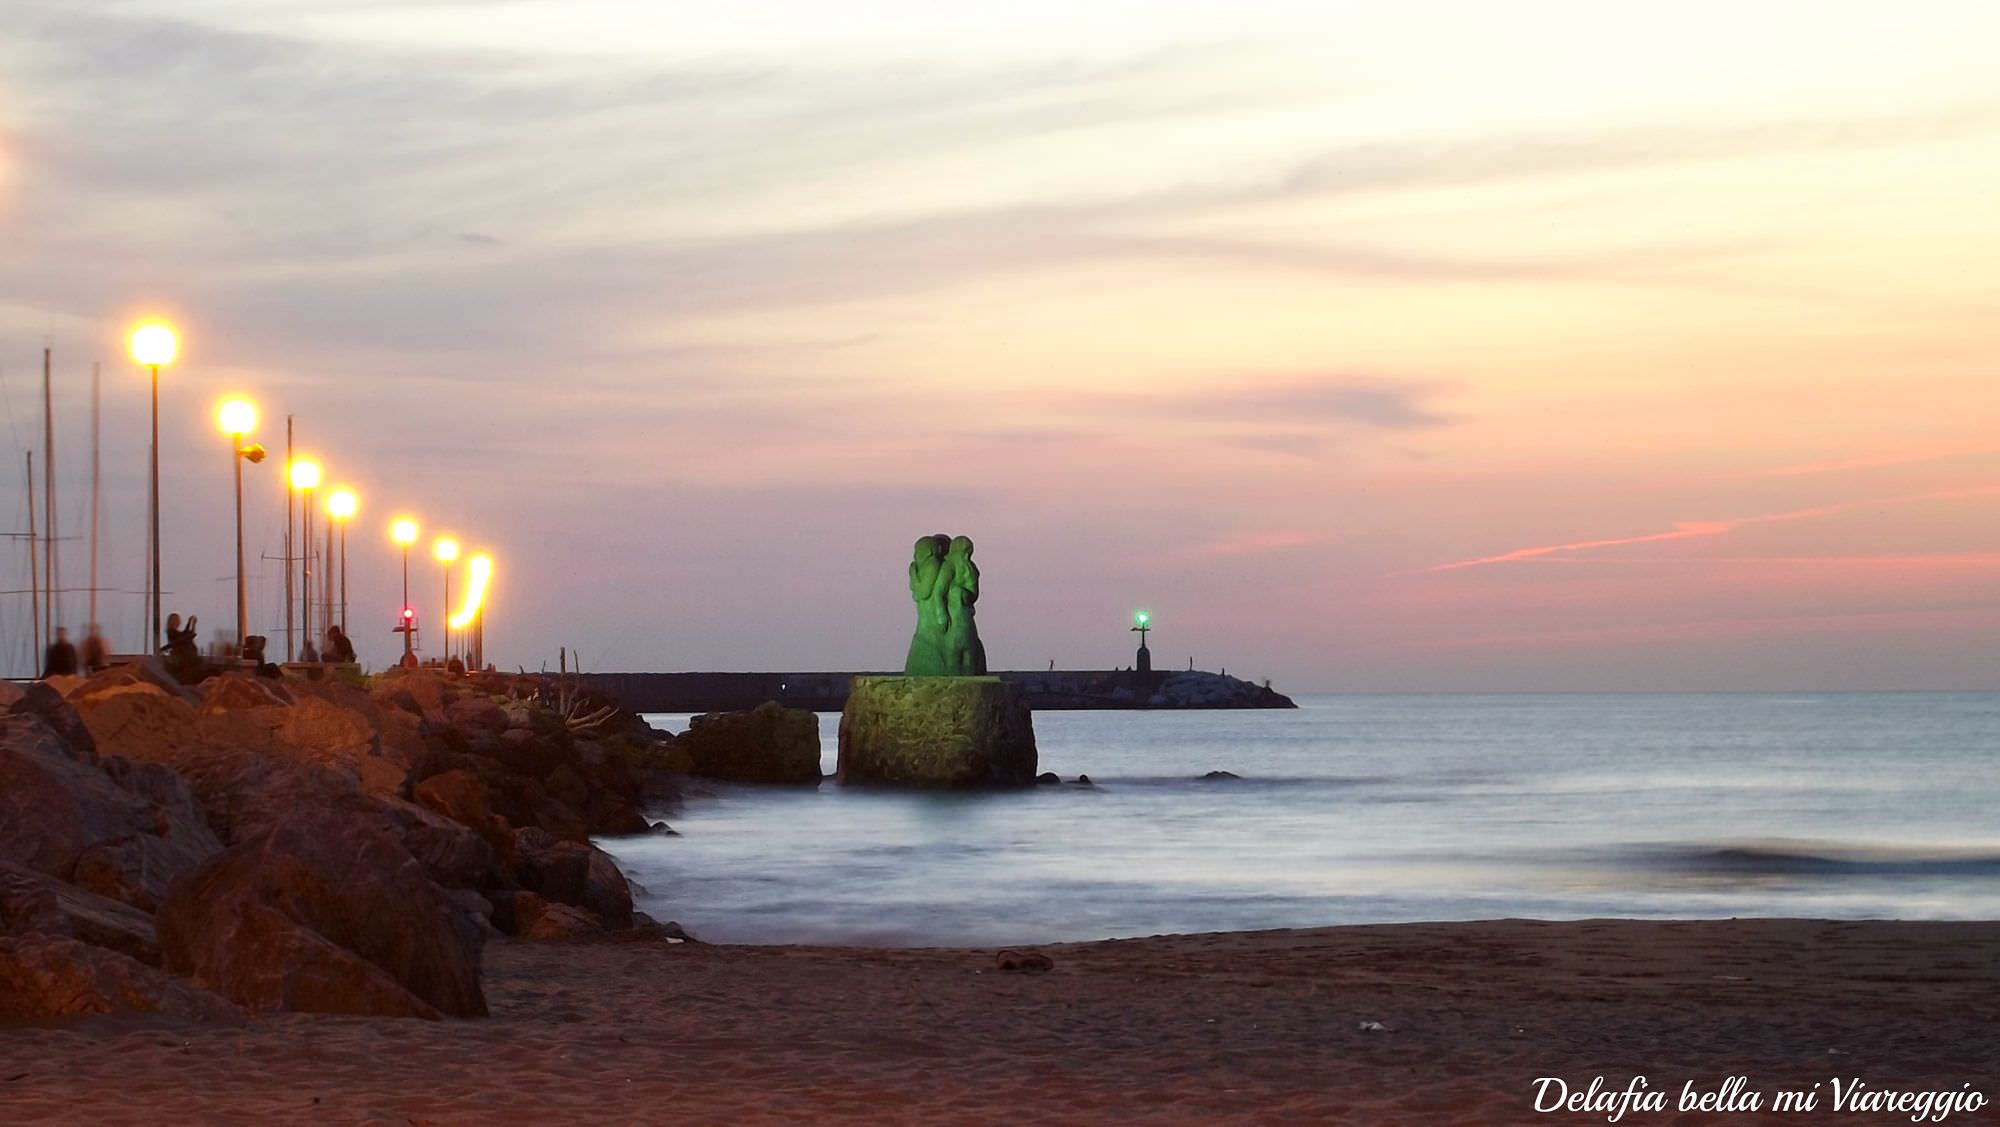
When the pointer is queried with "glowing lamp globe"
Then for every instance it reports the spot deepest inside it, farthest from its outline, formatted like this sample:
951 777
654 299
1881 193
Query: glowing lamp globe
154 345
305 475
342 504
446 549
1142 618
237 417
404 532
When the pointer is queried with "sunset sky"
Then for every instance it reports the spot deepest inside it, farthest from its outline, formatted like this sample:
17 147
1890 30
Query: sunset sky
1446 345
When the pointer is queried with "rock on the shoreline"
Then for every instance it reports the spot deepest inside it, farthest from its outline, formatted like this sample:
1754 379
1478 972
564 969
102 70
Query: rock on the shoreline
46 976
767 744
936 732
37 902
112 827
324 913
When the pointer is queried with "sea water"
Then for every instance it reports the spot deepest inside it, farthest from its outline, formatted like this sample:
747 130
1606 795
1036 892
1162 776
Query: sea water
1369 809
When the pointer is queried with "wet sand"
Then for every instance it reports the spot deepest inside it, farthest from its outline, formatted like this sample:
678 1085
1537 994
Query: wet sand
1243 1027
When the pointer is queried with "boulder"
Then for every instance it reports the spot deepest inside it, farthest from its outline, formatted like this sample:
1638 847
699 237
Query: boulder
324 912
767 744
936 732
474 713
47 976
530 916
233 691
131 716
66 814
531 752
36 902
558 869
146 671
42 700
561 921
606 892
452 854
464 798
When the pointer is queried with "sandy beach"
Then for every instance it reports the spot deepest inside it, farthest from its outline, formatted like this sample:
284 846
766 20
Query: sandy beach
1263 1027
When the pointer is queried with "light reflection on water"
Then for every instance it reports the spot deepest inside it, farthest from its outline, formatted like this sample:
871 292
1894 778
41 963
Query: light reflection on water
1359 809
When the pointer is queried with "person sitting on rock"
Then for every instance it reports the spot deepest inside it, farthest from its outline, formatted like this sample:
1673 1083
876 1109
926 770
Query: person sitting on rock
338 646
253 652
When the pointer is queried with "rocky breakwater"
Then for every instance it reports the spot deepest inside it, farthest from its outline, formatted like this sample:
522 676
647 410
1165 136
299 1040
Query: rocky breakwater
304 845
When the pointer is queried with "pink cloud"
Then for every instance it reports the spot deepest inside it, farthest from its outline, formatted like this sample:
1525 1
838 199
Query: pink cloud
1684 530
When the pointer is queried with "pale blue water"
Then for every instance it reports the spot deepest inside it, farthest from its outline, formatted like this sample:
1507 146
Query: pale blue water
1363 809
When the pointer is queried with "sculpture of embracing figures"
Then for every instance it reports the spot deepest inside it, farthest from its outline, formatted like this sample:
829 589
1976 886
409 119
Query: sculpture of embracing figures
944 582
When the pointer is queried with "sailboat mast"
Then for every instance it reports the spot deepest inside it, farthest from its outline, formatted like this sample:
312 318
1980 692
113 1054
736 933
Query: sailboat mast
49 491
290 653
95 485
34 574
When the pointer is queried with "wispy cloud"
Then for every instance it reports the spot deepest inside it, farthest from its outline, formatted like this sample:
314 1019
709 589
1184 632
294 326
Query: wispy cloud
1351 399
1686 530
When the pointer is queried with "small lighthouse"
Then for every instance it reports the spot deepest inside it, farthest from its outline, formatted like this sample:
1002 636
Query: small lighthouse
1142 621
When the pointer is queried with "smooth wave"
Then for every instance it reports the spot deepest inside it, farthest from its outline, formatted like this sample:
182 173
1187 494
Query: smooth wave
1812 858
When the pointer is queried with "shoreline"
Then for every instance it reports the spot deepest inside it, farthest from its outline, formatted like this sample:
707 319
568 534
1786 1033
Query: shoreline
633 1028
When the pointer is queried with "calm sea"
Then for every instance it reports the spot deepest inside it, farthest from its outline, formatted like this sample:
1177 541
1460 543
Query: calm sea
1364 809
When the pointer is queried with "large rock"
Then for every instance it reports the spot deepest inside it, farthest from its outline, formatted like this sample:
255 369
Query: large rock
936 732
47 976
767 744
452 854
33 902
324 913
112 827
41 699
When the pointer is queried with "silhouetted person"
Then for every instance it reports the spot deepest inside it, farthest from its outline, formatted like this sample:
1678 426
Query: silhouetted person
307 652
96 654
253 651
338 646
60 661
183 656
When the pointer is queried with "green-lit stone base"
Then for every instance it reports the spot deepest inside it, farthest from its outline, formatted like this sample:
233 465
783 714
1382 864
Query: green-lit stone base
936 732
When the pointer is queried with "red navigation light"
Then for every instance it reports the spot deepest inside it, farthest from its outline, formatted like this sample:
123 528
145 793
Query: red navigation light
409 613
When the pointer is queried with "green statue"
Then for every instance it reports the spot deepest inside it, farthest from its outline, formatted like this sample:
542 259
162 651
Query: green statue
944 583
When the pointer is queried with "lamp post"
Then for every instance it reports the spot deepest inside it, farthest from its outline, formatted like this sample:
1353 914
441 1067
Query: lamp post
238 418
154 346
305 479
404 532
341 505
446 551
1142 621
473 614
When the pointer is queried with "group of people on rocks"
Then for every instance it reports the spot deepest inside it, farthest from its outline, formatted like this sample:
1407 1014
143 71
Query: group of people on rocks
62 656
182 652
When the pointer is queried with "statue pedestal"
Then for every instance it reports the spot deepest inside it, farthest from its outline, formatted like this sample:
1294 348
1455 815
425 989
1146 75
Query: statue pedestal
936 732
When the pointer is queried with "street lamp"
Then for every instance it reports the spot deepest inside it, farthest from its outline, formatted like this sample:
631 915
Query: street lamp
473 614
305 479
155 346
404 532
446 550
341 505
238 417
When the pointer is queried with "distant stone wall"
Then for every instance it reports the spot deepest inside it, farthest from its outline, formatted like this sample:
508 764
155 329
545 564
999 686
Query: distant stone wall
827 692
